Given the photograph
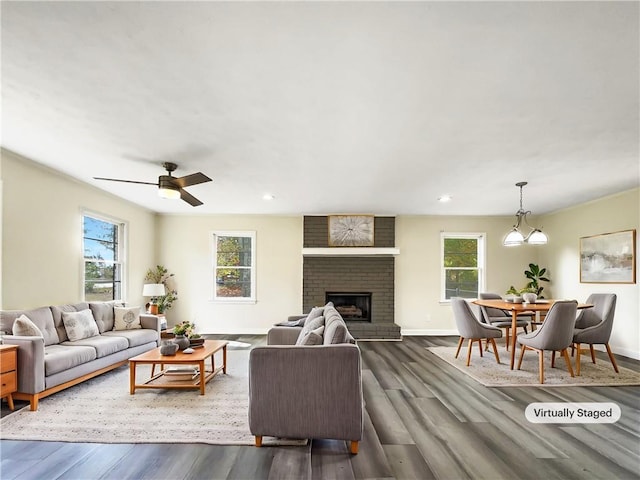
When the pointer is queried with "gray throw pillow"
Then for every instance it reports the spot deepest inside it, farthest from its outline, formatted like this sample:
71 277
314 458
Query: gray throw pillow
23 326
79 325
310 325
314 337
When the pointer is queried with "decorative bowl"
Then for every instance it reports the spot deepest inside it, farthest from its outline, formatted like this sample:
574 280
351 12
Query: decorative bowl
168 348
529 297
513 298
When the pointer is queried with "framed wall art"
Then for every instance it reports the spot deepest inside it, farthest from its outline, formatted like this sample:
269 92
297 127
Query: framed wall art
608 258
351 230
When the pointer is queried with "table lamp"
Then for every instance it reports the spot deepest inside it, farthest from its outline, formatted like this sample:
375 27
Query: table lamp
153 290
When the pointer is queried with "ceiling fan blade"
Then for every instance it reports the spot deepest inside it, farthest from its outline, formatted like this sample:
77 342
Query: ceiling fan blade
190 199
193 179
124 181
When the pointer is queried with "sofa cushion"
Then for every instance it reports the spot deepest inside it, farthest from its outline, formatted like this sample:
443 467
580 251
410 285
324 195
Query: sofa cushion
57 310
102 344
310 325
136 337
23 326
58 358
42 318
103 314
314 337
126 318
79 325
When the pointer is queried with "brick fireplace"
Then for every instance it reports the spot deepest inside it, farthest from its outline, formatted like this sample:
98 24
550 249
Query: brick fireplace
356 276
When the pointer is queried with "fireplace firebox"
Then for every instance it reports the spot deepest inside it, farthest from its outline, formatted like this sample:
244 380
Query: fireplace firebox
353 306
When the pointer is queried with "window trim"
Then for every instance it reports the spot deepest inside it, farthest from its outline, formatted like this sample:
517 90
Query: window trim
482 259
123 250
214 262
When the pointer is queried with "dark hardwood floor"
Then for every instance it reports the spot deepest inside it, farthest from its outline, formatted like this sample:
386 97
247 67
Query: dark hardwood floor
424 420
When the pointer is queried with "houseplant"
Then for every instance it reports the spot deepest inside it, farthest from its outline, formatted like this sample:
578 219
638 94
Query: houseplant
183 332
535 274
161 275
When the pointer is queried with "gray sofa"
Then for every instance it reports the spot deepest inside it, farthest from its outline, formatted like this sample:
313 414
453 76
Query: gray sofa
307 391
50 363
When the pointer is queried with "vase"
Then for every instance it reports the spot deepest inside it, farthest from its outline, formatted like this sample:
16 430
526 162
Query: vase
182 341
529 297
168 348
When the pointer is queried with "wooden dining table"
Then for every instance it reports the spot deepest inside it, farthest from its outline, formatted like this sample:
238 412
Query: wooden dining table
519 308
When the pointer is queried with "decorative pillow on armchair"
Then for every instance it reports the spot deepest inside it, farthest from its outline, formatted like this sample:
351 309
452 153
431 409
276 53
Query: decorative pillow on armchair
126 318
79 325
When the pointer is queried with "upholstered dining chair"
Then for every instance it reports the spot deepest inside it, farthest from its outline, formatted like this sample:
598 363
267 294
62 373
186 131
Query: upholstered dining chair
555 334
594 325
500 318
471 329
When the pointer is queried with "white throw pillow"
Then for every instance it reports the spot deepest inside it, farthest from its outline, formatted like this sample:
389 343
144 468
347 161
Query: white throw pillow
126 318
79 325
23 326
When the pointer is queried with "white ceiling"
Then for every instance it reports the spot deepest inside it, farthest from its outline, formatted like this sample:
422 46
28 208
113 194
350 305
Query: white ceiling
332 107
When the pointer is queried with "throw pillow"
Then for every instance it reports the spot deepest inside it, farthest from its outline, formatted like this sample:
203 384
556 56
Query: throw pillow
315 313
310 325
23 326
126 318
79 325
314 337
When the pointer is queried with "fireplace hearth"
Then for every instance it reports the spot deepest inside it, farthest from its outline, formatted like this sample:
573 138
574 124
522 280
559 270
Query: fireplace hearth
353 306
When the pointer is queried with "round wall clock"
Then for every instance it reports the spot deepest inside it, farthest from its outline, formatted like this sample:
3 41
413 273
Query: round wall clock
351 230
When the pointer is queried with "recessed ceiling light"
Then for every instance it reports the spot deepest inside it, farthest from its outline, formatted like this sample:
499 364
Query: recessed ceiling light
268 196
444 198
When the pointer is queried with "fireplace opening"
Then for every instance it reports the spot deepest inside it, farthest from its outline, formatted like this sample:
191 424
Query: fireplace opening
352 306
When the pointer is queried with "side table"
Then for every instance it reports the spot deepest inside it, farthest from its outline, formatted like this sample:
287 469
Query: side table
8 372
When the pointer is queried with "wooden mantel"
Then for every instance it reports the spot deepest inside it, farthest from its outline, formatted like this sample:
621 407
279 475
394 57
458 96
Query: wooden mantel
351 252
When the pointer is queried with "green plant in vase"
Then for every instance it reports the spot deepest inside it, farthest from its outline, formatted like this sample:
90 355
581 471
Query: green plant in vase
535 274
161 275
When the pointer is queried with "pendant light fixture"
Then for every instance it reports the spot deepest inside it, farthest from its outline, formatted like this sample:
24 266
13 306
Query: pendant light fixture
515 236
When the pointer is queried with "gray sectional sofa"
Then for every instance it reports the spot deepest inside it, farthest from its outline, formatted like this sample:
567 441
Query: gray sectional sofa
307 382
51 362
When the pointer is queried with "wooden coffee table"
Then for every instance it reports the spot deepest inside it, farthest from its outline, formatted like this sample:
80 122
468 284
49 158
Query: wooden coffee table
198 357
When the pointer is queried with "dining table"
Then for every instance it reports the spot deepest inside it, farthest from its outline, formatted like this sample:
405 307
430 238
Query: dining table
516 309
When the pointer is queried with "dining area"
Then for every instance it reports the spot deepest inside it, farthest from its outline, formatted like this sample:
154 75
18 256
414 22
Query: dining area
566 327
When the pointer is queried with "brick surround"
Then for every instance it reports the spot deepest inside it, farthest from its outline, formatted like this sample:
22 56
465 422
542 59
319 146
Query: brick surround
373 274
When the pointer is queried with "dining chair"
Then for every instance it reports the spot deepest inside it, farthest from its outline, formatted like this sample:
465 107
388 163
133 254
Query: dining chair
472 329
594 325
501 319
555 334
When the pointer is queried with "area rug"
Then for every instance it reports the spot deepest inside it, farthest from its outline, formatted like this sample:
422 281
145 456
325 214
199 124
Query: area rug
101 410
491 374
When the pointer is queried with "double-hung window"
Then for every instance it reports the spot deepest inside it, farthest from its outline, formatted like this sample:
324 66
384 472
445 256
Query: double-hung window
463 265
234 265
103 246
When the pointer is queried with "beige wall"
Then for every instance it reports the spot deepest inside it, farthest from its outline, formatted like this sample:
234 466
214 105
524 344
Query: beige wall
41 235
418 307
562 255
185 248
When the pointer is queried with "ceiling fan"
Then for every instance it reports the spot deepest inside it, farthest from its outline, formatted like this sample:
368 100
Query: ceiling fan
172 187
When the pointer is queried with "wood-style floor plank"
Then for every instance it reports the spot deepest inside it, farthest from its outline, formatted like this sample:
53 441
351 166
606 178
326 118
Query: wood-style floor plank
423 419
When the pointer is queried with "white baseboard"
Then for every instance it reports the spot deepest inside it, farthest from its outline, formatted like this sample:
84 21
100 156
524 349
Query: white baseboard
428 332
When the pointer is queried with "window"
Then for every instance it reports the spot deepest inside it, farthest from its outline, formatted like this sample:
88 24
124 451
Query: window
234 266
462 265
103 258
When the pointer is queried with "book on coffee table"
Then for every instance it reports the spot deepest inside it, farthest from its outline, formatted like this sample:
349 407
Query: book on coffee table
181 373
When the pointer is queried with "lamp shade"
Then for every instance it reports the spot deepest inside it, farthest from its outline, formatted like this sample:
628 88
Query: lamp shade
513 238
537 238
153 290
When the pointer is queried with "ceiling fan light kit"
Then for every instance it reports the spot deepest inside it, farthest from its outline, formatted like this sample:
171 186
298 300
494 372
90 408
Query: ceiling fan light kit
515 236
172 187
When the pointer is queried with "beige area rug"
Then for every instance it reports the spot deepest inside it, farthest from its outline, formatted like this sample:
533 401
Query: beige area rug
101 410
486 371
